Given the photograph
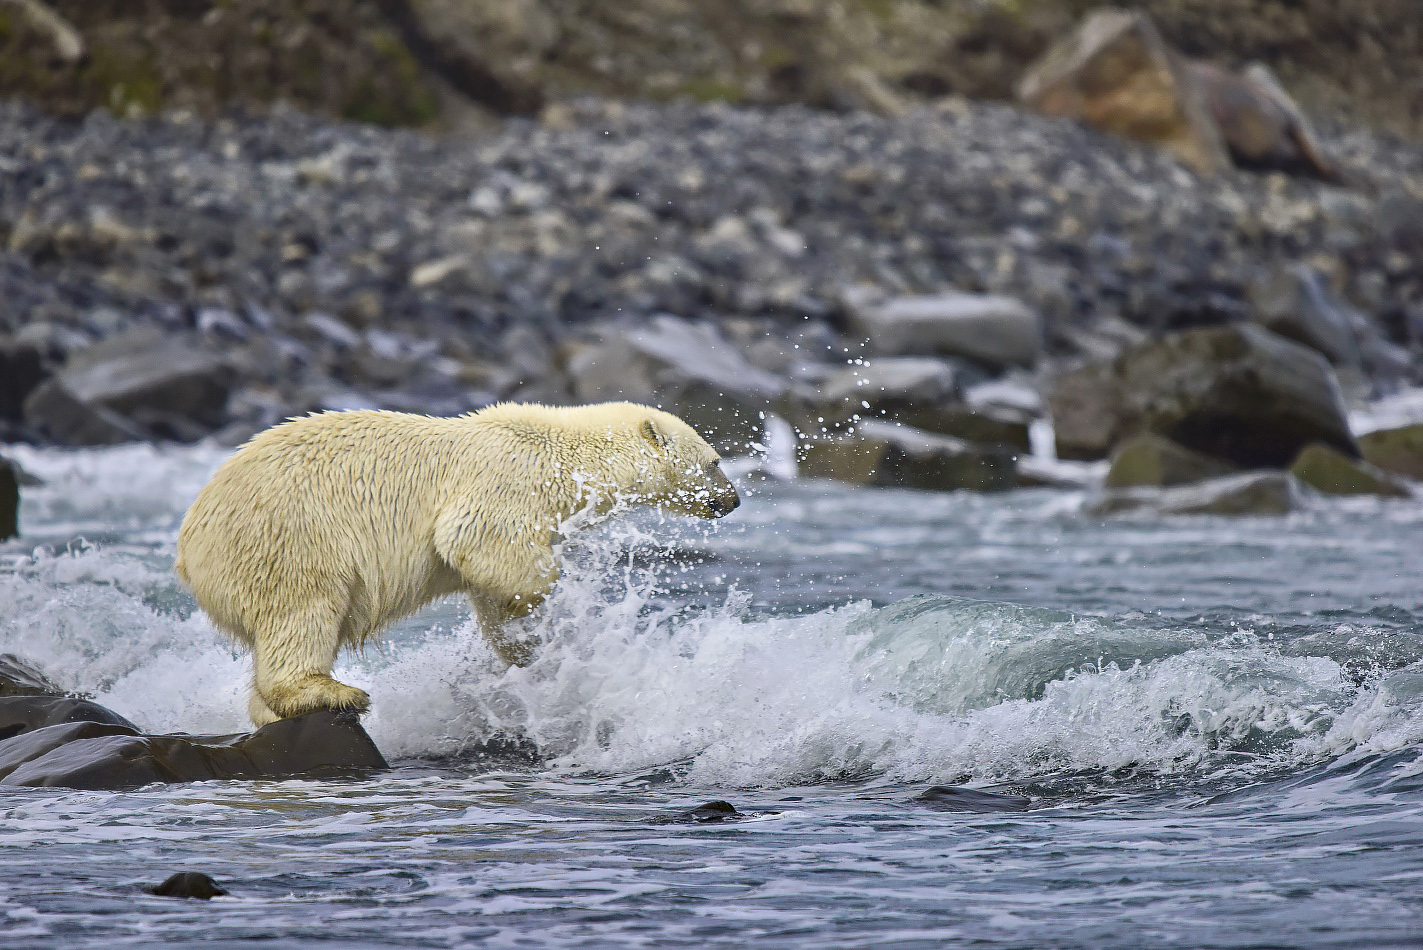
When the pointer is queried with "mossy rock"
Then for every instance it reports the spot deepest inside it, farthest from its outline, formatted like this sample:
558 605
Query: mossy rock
1153 460
1334 473
1395 450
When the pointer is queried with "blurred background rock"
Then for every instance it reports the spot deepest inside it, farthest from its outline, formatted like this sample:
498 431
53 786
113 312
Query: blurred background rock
215 214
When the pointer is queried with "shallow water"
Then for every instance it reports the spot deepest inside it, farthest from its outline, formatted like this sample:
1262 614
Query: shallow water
1217 723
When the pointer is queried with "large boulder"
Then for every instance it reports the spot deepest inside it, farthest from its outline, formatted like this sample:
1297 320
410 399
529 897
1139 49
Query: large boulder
111 756
1237 393
53 740
1248 493
137 386
1397 450
997 332
688 369
885 454
1333 473
1149 459
1116 73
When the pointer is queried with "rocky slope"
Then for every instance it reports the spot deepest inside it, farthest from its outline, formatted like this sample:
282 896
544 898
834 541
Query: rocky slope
419 61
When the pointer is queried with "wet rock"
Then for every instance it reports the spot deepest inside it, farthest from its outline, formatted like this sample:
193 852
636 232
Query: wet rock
1397 450
1327 470
1150 459
24 713
34 744
321 742
190 884
955 798
688 369
9 500
887 454
1237 393
708 813
140 385
18 678
1116 73
998 332
1249 493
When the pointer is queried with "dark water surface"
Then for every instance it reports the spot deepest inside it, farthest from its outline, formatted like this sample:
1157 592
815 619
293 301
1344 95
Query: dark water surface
1217 724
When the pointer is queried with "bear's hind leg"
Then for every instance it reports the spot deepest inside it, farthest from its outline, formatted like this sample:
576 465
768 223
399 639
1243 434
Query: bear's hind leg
292 662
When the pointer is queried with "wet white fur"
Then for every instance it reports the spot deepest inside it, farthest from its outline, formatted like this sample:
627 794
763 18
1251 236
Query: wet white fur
322 530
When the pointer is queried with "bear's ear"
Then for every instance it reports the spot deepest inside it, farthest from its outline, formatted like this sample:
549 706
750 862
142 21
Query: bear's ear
653 434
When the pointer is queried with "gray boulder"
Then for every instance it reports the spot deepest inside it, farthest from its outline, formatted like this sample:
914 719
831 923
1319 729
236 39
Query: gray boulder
1237 393
1248 493
998 332
138 386
885 454
688 369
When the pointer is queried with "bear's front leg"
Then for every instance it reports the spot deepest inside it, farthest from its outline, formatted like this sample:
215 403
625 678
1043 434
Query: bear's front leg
508 571
292 662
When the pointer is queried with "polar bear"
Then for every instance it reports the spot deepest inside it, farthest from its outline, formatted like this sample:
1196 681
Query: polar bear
323 529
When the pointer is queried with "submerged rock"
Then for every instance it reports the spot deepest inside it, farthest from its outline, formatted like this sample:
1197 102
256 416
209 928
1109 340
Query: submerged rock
190 884
1237 393
954 798
1329 471
1249 493
1150 459
889 455
1395 450
708 813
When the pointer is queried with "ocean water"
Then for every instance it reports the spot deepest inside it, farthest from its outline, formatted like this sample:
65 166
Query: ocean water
1216 724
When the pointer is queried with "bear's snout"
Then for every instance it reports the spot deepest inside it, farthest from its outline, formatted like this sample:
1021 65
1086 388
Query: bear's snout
724 505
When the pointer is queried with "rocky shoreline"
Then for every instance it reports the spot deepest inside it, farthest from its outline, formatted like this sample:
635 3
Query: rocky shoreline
177 279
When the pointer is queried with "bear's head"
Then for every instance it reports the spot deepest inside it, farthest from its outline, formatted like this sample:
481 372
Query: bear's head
681 472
